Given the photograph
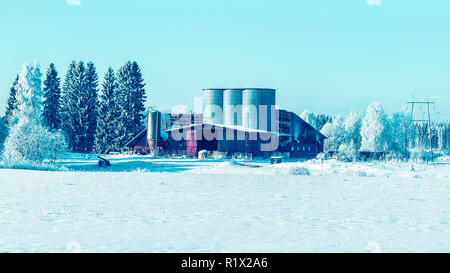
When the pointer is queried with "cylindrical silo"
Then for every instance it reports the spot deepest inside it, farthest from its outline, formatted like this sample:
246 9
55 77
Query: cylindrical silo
232 106
153 129
252 100
213 106
268 101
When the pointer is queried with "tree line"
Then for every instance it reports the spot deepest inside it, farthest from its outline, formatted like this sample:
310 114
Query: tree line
92 118
377 131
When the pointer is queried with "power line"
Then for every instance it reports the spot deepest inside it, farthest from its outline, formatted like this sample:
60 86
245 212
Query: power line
424 120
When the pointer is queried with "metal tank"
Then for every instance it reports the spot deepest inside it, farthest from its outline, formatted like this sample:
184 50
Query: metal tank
213 106
153 129
268 100
232 106
252 99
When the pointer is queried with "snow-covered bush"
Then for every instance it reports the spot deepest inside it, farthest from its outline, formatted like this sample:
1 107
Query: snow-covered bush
347 153
361 173
393 156
419 154
32 142
322 156
299 170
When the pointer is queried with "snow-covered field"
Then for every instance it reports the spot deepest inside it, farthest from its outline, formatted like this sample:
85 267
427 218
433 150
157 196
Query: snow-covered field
160 205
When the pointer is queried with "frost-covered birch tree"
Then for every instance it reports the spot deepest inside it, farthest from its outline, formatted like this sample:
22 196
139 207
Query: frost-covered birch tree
309 117
352 126
335 132
28 139
374 129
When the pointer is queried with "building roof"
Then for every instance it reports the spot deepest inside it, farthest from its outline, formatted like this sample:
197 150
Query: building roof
256 88
306 123
136 138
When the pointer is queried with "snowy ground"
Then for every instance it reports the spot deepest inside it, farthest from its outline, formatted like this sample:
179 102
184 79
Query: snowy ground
161 205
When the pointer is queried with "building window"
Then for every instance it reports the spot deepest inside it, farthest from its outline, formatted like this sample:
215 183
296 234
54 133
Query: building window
309 148
303 147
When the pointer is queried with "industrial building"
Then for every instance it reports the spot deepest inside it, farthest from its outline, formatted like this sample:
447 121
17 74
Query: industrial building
234 121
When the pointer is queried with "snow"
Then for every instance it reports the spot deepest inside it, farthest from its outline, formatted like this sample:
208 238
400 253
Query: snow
144 204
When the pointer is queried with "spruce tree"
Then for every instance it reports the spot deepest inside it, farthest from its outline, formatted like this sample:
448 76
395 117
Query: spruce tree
131 90
138 99
80 106
124 89
74 106
12 101
52 97
108 114
91 89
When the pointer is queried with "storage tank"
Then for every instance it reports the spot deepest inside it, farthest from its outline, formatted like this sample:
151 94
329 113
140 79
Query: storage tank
153 129
252 99
213 106
268 100
232 106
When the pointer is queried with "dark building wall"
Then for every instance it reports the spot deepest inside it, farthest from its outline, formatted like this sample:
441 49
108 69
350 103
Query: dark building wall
305 140
139 144
297 137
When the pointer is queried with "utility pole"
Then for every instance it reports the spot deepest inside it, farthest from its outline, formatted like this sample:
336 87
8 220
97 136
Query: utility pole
424 120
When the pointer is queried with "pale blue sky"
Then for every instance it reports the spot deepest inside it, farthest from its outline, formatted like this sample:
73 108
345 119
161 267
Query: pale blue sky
324 55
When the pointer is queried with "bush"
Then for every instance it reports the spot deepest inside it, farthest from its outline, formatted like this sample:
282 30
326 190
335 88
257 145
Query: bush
347 153
322 156
419 153
31 142
298 170
393 156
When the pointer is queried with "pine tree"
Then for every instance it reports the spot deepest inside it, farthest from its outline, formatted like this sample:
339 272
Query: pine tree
124 89
441 139
137 100
69 107
75 106
91 89
130 89
52 98
3 133
80 106
321 120
107 131
11 104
